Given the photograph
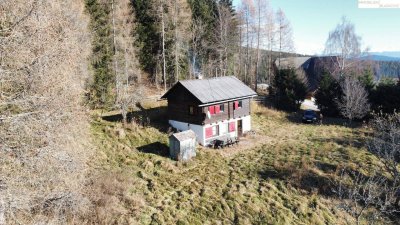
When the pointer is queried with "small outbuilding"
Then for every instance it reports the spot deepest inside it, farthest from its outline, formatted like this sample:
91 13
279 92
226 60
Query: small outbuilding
182 145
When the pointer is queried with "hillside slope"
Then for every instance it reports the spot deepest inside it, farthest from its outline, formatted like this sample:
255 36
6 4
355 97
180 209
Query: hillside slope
282 174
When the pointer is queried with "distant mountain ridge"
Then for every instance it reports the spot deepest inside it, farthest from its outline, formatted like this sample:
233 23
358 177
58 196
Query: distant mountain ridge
394 54
383 58
388 63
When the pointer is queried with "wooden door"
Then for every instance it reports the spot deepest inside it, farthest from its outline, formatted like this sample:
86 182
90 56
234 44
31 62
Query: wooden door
240 128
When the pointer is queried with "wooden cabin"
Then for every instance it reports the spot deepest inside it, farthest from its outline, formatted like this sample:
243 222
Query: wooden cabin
216 108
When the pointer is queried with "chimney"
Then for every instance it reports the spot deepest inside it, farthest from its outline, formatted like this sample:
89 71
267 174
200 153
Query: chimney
199 76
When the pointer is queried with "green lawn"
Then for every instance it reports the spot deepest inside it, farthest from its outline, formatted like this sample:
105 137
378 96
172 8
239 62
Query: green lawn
283 174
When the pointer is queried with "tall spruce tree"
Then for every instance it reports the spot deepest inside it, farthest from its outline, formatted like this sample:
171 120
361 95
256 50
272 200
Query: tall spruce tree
102 52
289 90
147 32
328 93
367 79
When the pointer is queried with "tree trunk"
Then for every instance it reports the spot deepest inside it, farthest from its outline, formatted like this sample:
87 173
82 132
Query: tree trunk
115 51
176 42
247 49
240 52
258 46
163 44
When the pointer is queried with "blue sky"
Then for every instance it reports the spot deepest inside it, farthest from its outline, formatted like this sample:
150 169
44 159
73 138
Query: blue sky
313 19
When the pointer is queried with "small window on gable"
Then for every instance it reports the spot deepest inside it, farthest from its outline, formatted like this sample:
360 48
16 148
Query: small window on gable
240 104
191 110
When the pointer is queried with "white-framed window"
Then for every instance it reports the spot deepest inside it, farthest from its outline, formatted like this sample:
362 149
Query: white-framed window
215 130
212 131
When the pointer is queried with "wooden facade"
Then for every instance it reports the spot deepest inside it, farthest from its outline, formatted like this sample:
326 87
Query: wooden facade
229 111
179 102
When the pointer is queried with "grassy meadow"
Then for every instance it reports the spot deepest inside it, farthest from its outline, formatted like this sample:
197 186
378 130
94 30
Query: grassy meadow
283 173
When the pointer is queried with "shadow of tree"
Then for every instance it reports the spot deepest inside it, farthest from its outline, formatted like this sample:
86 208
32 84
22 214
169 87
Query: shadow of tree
268 101
326 167
300 178
154 117
156 148
296 117
357 141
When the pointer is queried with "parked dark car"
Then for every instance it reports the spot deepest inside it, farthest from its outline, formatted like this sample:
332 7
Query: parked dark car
310 116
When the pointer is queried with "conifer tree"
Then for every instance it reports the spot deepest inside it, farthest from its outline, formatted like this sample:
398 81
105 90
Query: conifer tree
288 90
328 94
102 53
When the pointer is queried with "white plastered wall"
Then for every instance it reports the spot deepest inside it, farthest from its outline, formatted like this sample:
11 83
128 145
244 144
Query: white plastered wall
198 129
246 123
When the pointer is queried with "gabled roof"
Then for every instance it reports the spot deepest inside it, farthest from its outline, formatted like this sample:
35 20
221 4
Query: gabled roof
184 135
215 89
292 62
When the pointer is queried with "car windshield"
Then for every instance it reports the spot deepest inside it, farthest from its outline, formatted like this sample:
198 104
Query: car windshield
309 113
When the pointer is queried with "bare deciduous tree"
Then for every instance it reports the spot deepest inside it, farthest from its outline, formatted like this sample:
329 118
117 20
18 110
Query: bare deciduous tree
270 30
127 72
260 6
163 21
44 141
345 45
380 187
181 17
359 192
284 34
224 38
354 102
248 12
385 143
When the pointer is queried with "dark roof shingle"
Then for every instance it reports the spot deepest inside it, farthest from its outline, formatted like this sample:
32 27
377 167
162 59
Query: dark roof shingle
217 89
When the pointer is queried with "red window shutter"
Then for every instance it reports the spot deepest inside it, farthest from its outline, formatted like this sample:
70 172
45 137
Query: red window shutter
208 132
211 109
236 105
217 109
232 126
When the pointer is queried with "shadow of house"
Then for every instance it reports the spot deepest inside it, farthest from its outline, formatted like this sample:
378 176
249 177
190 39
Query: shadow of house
154 117
156 148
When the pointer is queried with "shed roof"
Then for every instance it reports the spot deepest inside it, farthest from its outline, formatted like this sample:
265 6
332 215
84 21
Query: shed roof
184 135
216 89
